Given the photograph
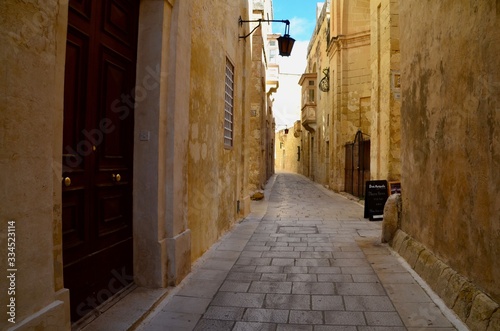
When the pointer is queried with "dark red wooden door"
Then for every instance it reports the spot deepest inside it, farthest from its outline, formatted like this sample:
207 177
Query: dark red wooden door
97 150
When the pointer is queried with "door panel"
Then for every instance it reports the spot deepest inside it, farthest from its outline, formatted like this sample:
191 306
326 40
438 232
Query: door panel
75 229
119 22
73 226
349 168
98 150
112 219
81 7
115 121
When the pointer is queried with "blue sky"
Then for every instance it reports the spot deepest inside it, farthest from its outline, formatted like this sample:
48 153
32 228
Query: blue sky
302 17
300 13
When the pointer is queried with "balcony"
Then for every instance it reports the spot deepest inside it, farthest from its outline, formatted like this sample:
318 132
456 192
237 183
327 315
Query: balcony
272 78
308 83
309 117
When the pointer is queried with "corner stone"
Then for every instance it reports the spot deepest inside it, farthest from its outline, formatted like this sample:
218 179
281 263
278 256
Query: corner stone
412 252
463 305
448 286
494 321
481 312
397 242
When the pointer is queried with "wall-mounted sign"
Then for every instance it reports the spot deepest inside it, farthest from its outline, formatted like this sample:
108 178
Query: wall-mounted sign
394 187
376 194
396 84
396 80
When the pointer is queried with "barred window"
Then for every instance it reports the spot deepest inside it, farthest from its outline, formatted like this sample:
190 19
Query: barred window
229 105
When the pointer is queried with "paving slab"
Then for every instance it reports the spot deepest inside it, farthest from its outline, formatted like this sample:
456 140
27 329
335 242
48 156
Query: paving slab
304 259
288 301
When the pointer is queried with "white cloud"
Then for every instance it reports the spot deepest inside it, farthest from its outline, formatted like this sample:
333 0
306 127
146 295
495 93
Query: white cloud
296 62
300 28
286 106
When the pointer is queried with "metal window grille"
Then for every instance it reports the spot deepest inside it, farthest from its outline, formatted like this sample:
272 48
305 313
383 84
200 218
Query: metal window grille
229 105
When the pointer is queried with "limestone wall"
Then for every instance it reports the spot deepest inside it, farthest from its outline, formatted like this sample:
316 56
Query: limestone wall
33 41
450 118
216 174
386 92
261 116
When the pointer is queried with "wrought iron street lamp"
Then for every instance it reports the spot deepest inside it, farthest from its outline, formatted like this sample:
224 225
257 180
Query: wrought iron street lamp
285 42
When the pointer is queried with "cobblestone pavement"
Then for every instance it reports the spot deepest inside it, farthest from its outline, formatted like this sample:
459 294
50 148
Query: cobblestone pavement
304 259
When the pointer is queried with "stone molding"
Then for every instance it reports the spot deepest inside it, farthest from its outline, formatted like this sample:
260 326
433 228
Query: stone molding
473 306
353 40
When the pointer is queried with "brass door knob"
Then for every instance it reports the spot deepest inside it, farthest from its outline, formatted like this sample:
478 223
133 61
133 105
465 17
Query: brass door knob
116 177
67 181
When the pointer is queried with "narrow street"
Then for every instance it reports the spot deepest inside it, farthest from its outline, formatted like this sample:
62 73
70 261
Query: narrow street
305 259
135 134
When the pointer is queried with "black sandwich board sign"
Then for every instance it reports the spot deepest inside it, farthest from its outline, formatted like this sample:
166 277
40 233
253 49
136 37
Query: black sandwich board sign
376 194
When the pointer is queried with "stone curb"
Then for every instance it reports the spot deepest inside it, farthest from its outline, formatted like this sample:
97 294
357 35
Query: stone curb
473 306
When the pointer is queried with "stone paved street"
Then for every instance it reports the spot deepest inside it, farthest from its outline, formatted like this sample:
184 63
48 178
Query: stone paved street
304 259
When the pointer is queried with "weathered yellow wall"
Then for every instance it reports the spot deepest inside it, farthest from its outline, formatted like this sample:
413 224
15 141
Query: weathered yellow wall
33 41
269 142
386 93
450 118
260 145
363 60
258 99
286 148
214 172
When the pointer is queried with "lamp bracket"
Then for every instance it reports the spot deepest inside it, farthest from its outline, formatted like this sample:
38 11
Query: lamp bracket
324 84
240 21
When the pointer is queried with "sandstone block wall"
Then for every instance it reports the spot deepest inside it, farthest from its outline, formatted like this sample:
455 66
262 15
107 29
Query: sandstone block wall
218 176
450 77
475 308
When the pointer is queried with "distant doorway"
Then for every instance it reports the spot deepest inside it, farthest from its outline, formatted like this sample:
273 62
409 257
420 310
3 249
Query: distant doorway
357 165
311 159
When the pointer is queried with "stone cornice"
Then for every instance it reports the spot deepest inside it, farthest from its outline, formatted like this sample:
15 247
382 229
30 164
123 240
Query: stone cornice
348 41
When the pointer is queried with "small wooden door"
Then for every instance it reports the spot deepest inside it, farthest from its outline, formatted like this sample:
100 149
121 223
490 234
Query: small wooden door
357 165
97 150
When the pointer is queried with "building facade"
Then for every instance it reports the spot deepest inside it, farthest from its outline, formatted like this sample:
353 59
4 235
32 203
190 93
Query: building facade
336 98
124 147
315 102
243 163
264 82
288 149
